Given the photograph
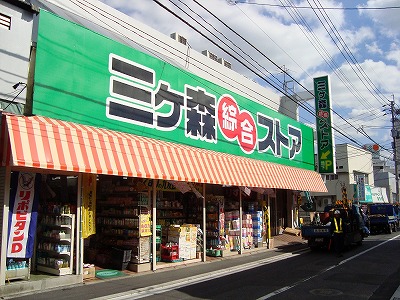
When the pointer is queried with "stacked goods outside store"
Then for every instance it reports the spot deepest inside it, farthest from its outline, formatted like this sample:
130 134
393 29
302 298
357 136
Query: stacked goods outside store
181 243
233 230
123 238
141 251
178 239
194 209
247 231
232 221
253 235
170 211
257 217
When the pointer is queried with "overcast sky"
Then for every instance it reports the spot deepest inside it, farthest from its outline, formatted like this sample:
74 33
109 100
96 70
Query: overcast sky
355 42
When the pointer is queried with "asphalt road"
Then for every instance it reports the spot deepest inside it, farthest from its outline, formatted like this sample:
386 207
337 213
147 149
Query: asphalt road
369 271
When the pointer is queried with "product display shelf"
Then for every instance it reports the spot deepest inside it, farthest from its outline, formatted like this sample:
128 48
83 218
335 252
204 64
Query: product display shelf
194 210
119 226
56 244
247 231
215 225
123 221
158 242
141 250
170 210
118 216
126 226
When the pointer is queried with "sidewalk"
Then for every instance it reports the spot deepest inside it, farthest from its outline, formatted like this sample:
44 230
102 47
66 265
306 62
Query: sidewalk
48 288
281 241
288 237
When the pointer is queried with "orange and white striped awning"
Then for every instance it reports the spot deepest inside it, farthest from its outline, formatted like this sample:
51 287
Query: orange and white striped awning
46 143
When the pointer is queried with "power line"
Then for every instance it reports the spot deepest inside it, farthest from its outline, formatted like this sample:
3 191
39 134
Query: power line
307 7
280 68
257 74
121 22
281 90
300 19
348 53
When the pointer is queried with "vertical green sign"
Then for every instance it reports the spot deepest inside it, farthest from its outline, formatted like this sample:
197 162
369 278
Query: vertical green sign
323 112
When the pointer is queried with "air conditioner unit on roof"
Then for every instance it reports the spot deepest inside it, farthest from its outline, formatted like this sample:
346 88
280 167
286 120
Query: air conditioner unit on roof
178 38
225 63
210 55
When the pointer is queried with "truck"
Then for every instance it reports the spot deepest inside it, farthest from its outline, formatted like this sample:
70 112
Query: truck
319 233
383 218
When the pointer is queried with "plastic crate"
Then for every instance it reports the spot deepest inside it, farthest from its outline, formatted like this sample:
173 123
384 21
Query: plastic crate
169 253
213 252
117 265
122 255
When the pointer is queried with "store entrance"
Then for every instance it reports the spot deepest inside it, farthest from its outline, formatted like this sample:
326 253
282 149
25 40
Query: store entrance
123 238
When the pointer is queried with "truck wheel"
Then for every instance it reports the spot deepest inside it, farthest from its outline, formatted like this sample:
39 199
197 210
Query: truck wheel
389 229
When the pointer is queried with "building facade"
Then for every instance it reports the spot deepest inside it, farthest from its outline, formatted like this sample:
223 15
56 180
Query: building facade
119 132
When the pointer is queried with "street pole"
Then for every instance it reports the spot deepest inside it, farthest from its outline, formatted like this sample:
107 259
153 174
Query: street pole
394 146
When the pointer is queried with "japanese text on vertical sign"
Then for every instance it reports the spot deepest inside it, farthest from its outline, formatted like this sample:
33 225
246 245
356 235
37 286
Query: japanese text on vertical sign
21 217
326 155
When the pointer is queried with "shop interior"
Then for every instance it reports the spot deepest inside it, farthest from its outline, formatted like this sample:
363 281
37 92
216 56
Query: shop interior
123 213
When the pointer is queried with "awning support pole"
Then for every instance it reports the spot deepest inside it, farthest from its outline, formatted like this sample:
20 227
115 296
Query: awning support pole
240 223
4 234
154 222
269 221
79 220
204 257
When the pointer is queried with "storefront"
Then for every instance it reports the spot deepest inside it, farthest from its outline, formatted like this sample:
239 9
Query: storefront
48 148
185 154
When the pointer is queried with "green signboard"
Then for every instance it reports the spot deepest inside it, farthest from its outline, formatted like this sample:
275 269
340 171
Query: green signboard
84 77
323 109
367 194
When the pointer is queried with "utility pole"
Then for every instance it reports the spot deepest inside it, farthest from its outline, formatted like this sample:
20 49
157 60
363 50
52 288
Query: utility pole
395 135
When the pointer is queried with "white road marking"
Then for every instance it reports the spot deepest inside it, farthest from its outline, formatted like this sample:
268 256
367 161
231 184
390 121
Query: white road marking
176 284
283 289
172 285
